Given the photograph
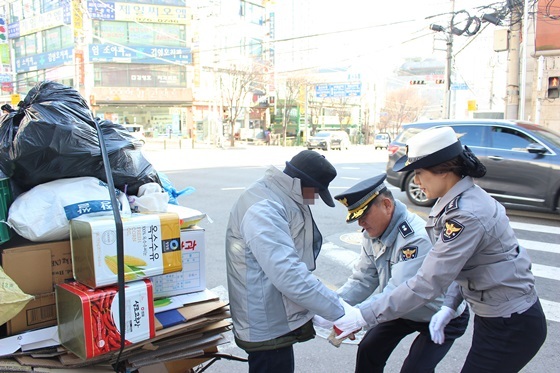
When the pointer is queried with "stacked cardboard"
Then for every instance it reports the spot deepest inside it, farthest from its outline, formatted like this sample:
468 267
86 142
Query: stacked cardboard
189 320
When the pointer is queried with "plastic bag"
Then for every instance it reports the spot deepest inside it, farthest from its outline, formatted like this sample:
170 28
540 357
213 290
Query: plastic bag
44 212
151 198
53 135
12 299
170 189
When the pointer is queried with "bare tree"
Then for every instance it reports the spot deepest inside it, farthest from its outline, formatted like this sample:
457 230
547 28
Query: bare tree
316 108
341 108
293 86
401 106
236 82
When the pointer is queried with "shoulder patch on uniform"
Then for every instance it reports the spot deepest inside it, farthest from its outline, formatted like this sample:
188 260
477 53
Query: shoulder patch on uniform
405 229
452 230
453 204
409 252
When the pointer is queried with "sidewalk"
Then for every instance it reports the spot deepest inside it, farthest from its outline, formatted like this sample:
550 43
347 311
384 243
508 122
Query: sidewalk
173 156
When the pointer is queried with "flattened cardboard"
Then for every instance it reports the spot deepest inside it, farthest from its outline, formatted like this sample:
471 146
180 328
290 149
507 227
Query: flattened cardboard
190 312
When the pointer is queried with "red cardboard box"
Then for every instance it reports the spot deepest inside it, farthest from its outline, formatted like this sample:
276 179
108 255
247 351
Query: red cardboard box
88 319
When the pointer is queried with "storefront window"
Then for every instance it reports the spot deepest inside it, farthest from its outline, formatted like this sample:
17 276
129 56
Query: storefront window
30 44
53 41
145 34
139 75
19 47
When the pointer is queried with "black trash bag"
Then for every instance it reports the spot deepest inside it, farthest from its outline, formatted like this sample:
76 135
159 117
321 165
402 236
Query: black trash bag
8 127
55 137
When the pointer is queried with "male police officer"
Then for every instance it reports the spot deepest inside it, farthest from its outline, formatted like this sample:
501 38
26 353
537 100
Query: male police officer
394 244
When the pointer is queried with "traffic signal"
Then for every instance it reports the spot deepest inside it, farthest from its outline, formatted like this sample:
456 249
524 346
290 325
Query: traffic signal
553 87
440 81
417 82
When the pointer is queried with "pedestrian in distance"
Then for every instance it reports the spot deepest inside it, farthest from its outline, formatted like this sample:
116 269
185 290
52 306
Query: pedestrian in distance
476 257
272 243
267 136
394 245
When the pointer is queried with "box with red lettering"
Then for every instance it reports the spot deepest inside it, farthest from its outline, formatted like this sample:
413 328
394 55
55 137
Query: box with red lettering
192 277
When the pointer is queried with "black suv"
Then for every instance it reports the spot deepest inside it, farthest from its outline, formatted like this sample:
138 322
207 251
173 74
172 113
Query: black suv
522 160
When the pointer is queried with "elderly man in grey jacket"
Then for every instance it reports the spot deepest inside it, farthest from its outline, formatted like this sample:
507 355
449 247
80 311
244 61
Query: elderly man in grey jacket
271 246
394 245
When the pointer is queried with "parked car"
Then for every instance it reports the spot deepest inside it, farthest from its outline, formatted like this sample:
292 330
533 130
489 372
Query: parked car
381 140
328 140
522 160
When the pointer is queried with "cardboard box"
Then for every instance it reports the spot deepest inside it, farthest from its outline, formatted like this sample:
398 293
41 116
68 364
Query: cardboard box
38 313
192 277
88 319
36 268
151 244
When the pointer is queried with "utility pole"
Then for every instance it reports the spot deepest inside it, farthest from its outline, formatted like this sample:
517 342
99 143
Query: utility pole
448 66
512 89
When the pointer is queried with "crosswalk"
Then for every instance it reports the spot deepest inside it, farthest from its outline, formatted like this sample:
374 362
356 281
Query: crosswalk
550 300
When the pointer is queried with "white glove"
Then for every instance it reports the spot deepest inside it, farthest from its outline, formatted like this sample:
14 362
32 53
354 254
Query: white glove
320 322
438 322
351 322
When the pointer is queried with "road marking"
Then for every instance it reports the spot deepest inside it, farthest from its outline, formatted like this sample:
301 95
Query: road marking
551 310
552 273
540 246
535 227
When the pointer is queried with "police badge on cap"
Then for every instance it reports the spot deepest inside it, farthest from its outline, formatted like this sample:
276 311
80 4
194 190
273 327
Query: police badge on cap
359 197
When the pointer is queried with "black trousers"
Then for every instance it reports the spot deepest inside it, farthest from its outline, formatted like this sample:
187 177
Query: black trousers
379 342
280 360
506 344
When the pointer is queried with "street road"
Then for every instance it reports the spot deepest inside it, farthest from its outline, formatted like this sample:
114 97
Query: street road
220 175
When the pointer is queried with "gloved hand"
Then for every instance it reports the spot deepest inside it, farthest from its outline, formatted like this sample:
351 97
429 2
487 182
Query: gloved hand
322 323
351 322
438 322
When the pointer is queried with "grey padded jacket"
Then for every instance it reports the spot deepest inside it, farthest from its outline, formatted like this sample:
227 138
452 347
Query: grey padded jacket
270 256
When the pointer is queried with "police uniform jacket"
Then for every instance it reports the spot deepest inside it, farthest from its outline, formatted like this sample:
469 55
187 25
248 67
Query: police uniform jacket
475 246
390 260
271 246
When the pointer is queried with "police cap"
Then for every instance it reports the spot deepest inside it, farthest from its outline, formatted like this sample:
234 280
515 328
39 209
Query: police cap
359 198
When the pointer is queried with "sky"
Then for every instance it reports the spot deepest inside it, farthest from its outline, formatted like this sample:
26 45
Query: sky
377 34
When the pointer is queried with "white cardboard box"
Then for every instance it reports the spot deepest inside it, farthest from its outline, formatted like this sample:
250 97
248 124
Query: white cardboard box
193 276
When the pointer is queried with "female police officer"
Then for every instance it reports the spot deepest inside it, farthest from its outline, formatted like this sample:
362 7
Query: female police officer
475 254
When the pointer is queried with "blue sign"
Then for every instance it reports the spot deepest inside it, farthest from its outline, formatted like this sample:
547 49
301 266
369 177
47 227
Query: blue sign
338 90
459 87
101 10
139 54
45 60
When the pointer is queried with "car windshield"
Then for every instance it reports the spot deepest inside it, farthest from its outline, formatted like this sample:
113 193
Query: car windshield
407 134
323 134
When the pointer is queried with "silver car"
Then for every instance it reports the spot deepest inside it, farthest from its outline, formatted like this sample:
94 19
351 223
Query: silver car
327 140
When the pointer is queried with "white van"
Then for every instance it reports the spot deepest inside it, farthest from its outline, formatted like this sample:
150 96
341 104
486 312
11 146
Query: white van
381 140
136 131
